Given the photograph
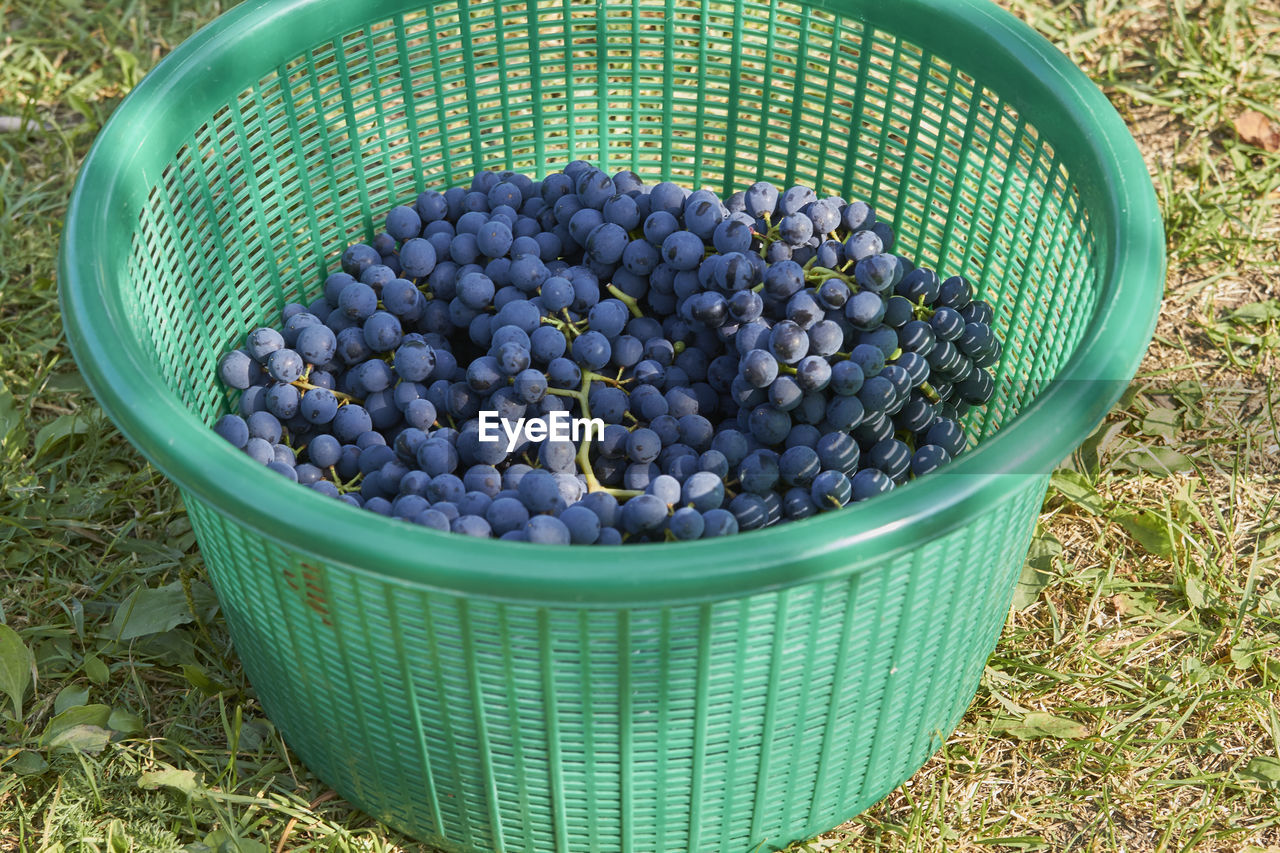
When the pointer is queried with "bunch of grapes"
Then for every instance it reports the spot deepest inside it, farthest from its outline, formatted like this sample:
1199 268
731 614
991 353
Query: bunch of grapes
753 359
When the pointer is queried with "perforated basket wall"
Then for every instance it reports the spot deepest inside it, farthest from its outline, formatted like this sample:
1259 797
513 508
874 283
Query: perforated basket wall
710 697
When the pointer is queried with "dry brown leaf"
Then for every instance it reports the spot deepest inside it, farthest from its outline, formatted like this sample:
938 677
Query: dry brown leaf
1256 129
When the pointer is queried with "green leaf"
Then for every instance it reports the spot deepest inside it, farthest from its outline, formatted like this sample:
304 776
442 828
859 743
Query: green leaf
1162 422
129 71
1088 457
1073 486
1264 769
1038 570
91 739
78 727
69 697
59 430
1195 671
183 781
96 670
16 664
125 722
1149 530
1256 313
201 681
152 611
223 841
1038 724
67 383
10 417
1249 652
28 763
1157 461
254 733
1198 595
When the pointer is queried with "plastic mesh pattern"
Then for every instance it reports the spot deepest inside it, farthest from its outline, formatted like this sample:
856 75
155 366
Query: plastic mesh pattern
485 725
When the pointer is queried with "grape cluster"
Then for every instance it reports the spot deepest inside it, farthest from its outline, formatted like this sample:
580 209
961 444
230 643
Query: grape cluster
753 359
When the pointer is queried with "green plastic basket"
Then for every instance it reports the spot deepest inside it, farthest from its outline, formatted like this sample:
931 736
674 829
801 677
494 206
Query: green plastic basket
708 696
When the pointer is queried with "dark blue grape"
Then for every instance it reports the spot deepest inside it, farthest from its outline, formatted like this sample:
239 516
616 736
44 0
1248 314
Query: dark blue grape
234 429
788 342
592 350
359 257
868 483
830 490
237 369
928 458
643 514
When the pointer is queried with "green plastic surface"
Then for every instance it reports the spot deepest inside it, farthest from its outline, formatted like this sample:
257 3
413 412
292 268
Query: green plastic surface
701 696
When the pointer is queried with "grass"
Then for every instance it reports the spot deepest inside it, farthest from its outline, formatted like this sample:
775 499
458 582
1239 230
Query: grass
1129 706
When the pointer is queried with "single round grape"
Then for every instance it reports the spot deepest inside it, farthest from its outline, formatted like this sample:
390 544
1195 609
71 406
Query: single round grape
813 373
749 511
234 429
788 342
403 223
687 524
592 350
238 370
683 250
539 491
643 445
471 525
285 365
583 524
382 331
414 361
797 466
920 286
324 451
928 458
719 522
260 450
868 483
857 216
318 406
703 491
830 490
359 257
643 514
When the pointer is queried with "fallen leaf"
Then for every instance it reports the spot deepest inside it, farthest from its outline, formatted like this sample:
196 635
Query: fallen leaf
77 718
1073 486
179 780
91 739
1149 530
1038 570
1039 724
1256 129
1163 423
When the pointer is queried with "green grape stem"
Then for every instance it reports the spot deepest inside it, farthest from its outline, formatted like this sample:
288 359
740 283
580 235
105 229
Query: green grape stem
306 386
584 448
629 301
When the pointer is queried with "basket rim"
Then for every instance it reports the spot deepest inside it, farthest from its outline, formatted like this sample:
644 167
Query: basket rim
1105 165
